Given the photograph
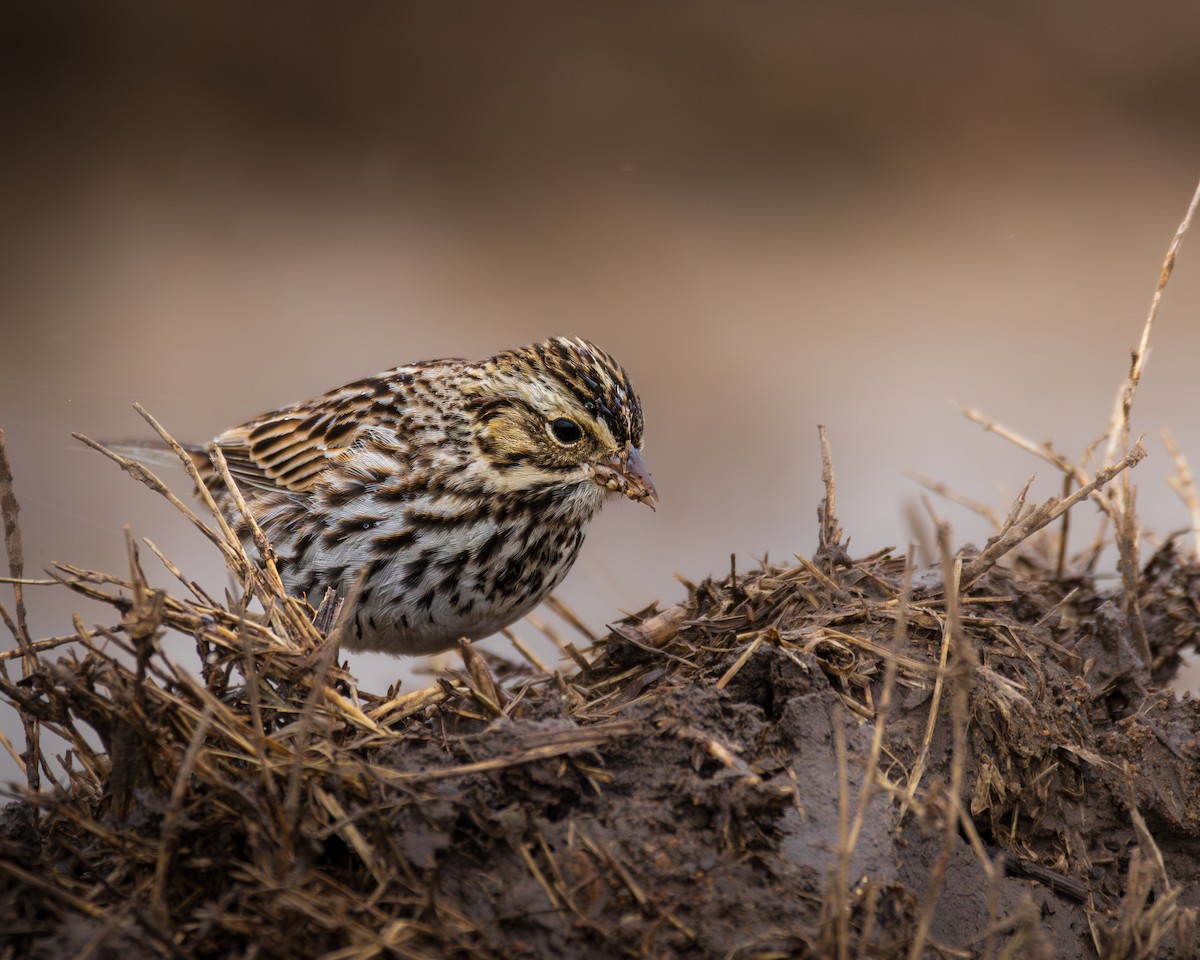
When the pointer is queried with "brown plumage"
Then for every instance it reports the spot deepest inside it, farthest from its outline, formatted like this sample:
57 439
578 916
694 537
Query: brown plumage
460 491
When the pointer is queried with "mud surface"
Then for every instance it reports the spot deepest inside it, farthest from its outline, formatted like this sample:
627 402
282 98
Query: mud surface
696 791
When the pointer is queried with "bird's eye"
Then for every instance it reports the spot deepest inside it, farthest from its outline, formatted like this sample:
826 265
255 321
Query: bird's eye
565 431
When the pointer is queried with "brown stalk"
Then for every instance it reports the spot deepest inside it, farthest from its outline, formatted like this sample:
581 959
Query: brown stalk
831 532
962 671
19 628
1118 426
1018 529
1184 484
145 475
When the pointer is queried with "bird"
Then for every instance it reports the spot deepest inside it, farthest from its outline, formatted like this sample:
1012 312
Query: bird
450 497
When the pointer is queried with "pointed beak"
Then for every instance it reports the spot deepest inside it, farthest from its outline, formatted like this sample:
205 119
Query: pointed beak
626 473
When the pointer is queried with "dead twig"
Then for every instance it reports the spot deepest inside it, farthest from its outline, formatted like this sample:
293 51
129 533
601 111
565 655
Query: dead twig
1017 531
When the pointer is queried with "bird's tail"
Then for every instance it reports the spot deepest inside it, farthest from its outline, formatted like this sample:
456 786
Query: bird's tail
157 453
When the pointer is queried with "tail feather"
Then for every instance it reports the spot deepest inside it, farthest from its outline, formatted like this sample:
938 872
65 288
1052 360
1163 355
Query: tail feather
157 453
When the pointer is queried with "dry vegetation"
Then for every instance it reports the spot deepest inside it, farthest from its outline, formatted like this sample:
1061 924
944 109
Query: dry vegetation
848 757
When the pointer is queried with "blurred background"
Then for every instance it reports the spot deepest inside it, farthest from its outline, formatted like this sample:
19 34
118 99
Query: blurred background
775 215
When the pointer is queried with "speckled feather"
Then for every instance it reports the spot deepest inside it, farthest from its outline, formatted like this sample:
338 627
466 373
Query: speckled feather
444 484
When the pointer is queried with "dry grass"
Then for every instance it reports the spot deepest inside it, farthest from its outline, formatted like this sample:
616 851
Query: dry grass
255 802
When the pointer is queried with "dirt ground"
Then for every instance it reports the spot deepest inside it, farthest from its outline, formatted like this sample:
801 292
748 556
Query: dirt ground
837 758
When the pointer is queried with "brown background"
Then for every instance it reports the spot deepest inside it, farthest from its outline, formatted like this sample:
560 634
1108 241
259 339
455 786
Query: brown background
774 214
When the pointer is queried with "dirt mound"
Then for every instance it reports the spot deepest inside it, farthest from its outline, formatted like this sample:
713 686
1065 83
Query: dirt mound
846 757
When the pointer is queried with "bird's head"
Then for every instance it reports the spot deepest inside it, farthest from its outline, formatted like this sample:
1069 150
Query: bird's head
561 412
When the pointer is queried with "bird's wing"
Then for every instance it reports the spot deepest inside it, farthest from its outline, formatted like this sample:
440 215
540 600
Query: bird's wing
290 449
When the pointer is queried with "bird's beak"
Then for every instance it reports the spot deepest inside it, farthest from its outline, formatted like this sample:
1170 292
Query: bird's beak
626 473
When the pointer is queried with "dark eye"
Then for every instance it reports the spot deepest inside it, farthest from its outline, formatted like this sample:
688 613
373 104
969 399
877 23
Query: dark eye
566 431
